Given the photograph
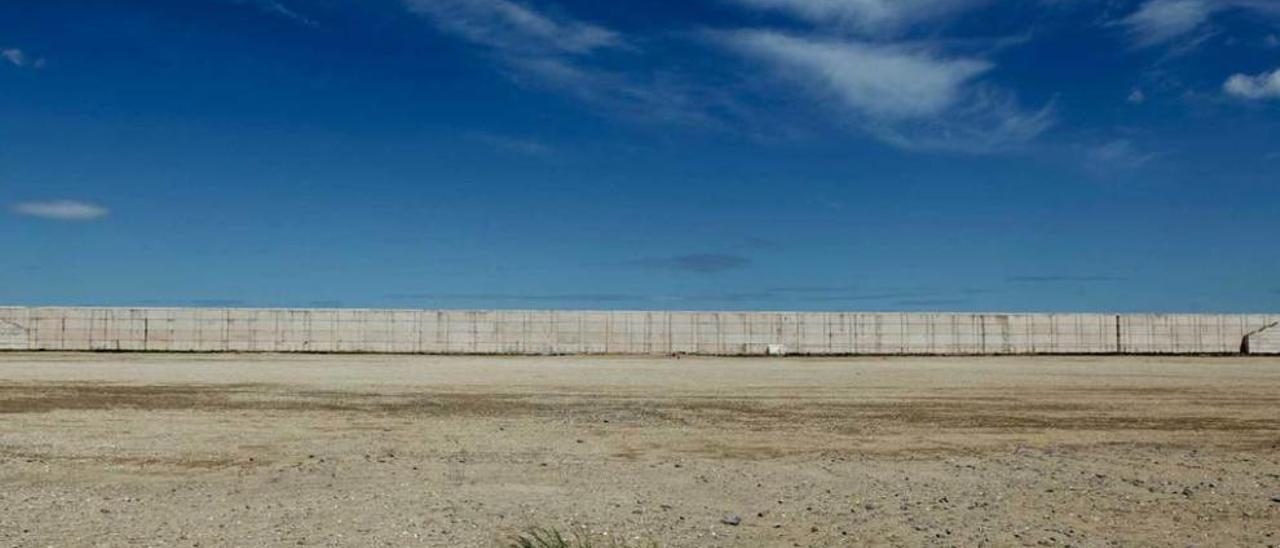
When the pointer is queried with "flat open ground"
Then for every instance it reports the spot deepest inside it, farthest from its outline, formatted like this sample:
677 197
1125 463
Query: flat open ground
247 450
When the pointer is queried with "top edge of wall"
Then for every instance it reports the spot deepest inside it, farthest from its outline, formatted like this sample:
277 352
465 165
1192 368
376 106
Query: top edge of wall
644 311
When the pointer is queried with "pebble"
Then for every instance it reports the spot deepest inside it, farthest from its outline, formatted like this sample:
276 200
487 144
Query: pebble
731 520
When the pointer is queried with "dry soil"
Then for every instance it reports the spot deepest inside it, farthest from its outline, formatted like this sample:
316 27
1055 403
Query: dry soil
254 450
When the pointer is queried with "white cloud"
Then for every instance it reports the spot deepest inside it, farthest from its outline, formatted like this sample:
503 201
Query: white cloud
1137 97
19 58
909 97
1259 86
563 54
62 210
513 28
866 16
880 81
14 56
1159 21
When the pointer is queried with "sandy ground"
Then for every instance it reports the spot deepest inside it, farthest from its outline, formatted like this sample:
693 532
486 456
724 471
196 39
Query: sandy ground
252 450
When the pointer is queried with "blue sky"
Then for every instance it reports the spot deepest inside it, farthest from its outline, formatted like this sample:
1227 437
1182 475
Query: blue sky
1086 155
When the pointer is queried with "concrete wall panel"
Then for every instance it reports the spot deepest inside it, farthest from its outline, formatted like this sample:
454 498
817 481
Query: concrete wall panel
622 332
1265 340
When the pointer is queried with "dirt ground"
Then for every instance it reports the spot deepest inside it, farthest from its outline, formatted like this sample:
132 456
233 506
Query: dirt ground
254 450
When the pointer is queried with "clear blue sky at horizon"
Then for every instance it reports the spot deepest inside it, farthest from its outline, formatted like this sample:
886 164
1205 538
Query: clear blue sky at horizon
978 155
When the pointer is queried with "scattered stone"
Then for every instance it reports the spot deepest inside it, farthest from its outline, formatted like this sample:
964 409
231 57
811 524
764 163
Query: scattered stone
1276 499
731 520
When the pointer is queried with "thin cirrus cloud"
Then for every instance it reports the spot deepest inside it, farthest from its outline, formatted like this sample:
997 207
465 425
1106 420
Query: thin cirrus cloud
278 9
288 13
910 97
882 81
1158 22
513 28
1258 86
1118 153
19 58
878 17
61 210
562 53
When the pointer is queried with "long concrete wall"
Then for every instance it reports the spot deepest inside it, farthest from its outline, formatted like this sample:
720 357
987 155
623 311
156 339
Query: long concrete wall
595 332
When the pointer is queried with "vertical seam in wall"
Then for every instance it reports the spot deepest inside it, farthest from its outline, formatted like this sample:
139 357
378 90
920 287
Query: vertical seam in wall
982 334
1119 344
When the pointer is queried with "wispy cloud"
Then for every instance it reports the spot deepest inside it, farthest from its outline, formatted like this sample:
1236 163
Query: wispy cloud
278 8
286 12
702 263
1258 86
61 210
866 16
564 54
1159 21
19 58
513 28
1118 153
907 95
987 121
880 81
